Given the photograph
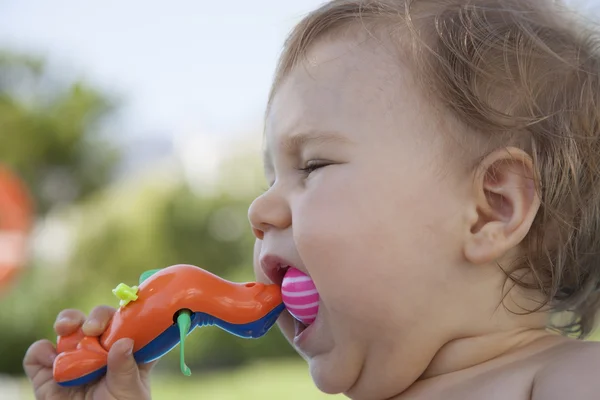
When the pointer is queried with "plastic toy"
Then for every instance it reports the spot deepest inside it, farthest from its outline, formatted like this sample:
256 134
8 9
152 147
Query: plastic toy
300 296
159 314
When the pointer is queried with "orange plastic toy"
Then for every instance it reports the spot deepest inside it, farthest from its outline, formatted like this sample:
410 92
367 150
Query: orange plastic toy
159 314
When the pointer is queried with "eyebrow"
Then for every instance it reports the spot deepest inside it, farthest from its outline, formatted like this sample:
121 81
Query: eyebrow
293 143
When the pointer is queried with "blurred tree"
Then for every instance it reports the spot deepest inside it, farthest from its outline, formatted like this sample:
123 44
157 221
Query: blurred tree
50 132
50 137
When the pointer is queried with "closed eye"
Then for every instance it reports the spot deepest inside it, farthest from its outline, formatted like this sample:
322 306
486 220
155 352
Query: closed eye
313 165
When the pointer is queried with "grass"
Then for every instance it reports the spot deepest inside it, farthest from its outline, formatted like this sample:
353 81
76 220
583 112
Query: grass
268 380
288 380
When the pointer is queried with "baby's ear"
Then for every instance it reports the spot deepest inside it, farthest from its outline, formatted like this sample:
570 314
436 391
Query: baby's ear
505 204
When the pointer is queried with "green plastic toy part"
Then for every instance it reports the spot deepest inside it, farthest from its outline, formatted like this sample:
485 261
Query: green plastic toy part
147 274
125 293
184 321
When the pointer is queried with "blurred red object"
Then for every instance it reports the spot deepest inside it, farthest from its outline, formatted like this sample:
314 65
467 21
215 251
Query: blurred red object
16 215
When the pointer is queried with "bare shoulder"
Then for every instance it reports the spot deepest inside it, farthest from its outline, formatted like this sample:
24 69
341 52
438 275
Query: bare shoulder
571 371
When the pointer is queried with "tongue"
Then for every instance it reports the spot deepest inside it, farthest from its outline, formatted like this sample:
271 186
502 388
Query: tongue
300 296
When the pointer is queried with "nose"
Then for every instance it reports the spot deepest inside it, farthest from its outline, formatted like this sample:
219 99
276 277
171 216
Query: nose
269 211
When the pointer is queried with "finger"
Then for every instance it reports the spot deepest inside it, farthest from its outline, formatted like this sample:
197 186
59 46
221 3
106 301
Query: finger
97 321
38 362
145 371
147 367
68 321
123 375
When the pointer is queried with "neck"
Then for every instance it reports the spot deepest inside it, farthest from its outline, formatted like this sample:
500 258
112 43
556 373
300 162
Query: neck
504 331
462 354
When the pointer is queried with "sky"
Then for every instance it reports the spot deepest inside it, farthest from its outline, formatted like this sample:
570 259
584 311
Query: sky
178 66
188 73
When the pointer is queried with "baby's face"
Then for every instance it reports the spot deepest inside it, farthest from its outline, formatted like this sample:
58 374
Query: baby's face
372 221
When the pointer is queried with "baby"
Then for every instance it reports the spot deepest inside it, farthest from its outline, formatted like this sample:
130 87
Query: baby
434 166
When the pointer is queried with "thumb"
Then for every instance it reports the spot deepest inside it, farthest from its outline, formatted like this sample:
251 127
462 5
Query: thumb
123 374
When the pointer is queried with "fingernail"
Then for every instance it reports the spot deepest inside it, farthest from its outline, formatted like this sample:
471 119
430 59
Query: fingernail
65 321
128 346
92 324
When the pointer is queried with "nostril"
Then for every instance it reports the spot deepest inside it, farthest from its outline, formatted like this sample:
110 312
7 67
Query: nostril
250 284
258 233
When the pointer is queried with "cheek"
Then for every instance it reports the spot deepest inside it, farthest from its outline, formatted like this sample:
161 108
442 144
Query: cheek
369 245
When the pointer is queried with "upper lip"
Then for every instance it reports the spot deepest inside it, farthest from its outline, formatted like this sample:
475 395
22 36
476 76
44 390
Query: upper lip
273 266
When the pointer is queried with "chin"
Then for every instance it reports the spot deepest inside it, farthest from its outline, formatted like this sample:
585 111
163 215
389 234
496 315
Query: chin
331 377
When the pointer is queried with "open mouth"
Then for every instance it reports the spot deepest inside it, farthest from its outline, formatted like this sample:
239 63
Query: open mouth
301 298
298 291
299 327
278 274
277 278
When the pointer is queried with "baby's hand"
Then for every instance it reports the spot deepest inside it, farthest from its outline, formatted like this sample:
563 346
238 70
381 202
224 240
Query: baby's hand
124 379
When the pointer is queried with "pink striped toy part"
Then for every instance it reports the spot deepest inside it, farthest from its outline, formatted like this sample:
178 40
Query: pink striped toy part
300 296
